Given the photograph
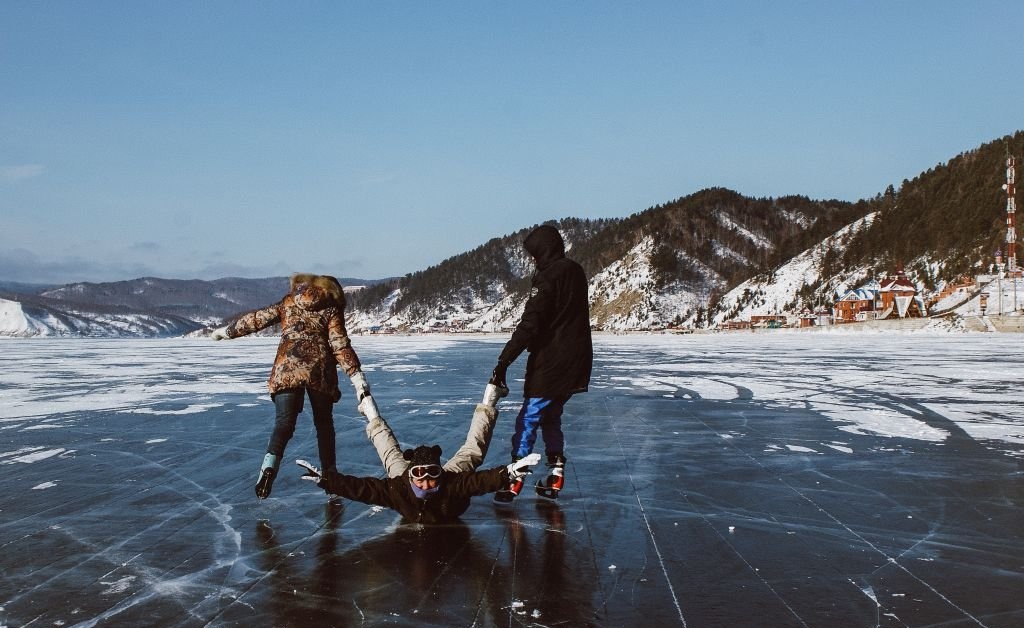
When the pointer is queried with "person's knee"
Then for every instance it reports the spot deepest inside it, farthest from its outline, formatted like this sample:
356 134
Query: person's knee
324 420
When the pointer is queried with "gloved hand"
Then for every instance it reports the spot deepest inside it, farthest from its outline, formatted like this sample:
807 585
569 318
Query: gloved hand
221 333
368 407
492 394
312 474
360 384
521 467
498 376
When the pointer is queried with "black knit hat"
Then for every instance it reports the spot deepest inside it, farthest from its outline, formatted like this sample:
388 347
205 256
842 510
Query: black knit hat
423 455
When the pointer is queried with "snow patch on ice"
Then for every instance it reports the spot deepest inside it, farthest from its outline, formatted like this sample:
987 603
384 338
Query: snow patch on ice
195 408
802 449
989 428
18 452
117 586
838 447
882 422
39 455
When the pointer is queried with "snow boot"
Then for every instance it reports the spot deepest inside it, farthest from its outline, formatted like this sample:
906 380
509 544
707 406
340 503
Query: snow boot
551 485
268 471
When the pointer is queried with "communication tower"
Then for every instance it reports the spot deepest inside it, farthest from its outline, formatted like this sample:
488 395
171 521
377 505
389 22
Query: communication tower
1011 211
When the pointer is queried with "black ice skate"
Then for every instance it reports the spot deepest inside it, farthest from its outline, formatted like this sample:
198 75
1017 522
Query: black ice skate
268 471
550 486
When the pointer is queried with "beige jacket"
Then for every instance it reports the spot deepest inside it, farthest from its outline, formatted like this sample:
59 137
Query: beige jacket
470 456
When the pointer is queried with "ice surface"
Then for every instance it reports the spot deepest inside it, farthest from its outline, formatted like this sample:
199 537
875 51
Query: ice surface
726 480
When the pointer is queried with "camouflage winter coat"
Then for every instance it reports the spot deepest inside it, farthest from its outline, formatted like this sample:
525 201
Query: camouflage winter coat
313 336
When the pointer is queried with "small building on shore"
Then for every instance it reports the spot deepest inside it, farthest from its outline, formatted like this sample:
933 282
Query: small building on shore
893 297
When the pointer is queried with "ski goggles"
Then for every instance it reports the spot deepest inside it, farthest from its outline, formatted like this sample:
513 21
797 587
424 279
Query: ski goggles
421 471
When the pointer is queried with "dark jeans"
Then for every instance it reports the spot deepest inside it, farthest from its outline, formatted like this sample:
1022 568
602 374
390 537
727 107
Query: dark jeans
545 414
288 405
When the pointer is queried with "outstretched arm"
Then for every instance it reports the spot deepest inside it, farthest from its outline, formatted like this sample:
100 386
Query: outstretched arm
388 449
491 480
349 362
366 490
474 450
534 320
367 405
472 453
249 322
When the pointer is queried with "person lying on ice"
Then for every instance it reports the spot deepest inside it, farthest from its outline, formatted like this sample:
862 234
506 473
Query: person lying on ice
425 492
418 486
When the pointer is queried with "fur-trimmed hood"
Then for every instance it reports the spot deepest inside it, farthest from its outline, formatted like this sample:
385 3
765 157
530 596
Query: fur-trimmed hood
326 291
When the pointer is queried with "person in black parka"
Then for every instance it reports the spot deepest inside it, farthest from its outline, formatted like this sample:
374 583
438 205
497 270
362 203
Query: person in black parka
555 330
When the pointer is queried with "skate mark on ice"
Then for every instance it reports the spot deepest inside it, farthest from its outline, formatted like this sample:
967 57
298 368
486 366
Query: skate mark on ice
869 593
650 532
152 581
890 561
590 537
237 594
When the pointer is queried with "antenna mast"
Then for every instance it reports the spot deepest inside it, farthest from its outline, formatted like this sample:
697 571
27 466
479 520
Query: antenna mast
1011 211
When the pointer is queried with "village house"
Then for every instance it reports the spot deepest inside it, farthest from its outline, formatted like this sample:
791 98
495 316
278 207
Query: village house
857 304
898 298
893 297
768 321
817 318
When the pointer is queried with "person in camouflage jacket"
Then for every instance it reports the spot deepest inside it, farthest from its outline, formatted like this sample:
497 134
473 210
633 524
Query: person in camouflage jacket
314 342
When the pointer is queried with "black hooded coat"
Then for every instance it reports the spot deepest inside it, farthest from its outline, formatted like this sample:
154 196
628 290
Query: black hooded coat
555 327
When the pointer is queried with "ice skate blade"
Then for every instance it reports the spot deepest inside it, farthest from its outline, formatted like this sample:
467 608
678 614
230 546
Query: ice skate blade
265 484
504 499
548 493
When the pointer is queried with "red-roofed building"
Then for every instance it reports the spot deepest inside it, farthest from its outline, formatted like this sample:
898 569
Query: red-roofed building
893 297
897 297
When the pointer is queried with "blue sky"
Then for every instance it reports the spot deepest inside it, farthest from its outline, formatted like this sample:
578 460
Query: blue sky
361 139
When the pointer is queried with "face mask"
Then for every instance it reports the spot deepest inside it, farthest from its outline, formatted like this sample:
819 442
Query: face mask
424 493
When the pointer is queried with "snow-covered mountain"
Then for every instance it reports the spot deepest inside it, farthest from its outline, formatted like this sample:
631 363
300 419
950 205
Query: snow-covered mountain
27 319
664 266
144 307
697 262
777 292
628 293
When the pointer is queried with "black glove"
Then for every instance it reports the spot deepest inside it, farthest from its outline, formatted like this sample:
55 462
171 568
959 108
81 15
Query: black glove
498 376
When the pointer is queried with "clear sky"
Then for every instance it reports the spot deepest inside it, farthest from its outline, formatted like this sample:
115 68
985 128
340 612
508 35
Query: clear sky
372 139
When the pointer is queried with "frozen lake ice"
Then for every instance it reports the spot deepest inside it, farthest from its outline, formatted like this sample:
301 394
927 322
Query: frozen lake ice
776 480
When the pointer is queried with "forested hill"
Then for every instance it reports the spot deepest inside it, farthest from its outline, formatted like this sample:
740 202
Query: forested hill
947 221
672 263
695 247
